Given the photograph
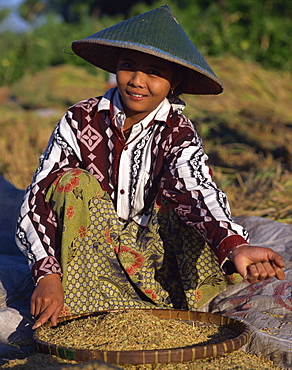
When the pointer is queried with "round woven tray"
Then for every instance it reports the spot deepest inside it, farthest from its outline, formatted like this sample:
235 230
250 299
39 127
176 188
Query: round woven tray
183 354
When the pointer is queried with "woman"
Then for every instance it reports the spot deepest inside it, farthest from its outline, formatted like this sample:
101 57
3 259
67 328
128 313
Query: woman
122 211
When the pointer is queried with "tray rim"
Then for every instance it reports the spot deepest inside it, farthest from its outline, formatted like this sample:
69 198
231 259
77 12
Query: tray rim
153 356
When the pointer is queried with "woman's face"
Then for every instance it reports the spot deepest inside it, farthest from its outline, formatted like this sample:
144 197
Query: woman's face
143 82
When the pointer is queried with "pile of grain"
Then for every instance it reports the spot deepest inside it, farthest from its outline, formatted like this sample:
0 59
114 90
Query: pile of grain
133 330
137 330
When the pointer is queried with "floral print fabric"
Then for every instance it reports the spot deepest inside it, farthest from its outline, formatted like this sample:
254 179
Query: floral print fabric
109 264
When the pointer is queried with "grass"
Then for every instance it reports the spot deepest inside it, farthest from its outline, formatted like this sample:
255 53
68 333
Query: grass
247 130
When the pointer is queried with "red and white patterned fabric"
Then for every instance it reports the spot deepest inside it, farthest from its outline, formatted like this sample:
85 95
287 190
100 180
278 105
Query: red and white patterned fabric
163 157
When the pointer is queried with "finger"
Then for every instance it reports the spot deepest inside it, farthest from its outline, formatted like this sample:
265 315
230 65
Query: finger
35 306
278 261
37 324
55 315
50 313
32 307
252 274
279 273
44 317
257 272
264 270
269 270
40 305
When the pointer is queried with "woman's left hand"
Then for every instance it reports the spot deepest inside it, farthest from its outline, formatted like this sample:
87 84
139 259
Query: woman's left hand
257 263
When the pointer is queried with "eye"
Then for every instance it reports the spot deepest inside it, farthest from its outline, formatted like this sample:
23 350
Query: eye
127 65
154 72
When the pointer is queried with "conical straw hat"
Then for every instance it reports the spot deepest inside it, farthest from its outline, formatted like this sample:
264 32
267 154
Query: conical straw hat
156 33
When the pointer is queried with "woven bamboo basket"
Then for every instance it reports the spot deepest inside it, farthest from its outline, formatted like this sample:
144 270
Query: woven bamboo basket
171 355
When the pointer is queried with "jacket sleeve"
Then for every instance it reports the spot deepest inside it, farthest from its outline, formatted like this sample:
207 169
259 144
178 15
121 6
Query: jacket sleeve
37 232
192 194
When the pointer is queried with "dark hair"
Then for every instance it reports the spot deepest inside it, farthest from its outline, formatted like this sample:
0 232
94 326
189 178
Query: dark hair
180 75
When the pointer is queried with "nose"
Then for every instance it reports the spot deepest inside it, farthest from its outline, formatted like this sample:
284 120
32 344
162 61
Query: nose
137 79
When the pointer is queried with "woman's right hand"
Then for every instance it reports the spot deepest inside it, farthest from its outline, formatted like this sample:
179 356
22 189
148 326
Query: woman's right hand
47 300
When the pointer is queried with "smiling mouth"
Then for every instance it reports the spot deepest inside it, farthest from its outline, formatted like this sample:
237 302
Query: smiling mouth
136 95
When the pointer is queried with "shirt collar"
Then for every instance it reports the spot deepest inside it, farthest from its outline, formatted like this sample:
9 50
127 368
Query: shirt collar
105 101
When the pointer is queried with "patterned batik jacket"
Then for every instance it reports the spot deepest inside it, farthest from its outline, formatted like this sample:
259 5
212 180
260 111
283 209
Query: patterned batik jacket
163 157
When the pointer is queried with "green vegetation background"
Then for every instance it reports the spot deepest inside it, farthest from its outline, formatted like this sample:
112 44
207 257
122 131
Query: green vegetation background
258 30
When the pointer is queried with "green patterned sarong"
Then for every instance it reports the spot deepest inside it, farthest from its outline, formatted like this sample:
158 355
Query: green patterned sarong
110 264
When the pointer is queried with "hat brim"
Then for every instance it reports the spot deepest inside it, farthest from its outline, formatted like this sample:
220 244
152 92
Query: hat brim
104 54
